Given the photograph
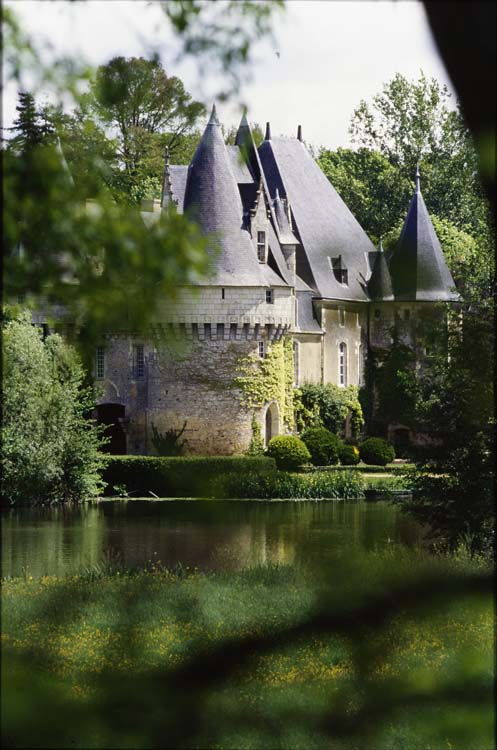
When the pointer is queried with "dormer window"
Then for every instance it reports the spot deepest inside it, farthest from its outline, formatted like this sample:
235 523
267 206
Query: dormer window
340 271
261 246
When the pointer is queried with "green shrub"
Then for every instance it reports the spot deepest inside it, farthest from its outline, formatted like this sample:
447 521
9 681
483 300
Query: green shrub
189 476
341 485
348 455
377 451
323 446
288 451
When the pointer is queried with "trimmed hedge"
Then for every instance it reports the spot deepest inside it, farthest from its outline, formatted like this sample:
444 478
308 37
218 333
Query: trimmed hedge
348 455
288 451
377 451
323 445
182 476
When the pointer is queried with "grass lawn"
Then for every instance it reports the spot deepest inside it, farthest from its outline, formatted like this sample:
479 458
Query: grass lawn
266 658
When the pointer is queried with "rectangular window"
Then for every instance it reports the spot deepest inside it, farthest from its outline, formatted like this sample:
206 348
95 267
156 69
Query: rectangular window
139 361
261 246
222 293
100 362
269 296
342 364
341 316
262 349
343 276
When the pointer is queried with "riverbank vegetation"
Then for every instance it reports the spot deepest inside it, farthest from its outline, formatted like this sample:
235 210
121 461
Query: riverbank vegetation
268 657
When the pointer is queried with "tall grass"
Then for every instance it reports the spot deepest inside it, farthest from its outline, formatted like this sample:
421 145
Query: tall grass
326 485
383 650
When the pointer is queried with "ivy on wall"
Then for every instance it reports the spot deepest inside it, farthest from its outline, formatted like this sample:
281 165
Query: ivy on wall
262 380
329 405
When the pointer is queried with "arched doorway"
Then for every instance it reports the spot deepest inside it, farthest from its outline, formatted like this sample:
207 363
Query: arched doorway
272 422
111 415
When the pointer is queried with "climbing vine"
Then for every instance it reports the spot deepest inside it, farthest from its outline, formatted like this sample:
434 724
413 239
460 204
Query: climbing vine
262 380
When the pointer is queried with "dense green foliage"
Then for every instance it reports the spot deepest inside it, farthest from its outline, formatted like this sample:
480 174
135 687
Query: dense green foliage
340 485
376 451
328 406
455 406
262 380
176 476
322 444
266 657
288 451
348 454
410 123
49 447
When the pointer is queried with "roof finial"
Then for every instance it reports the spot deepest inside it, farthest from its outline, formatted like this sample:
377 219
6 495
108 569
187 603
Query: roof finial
380 248
299 133
167 187
213 118
267 137
418 190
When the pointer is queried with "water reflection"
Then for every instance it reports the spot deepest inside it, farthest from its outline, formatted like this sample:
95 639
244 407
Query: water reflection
208 534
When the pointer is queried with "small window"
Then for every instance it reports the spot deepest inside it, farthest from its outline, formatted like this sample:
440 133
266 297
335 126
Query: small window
342 276
261 246
139 361
21 299
100 362
269 296
222 293
342 364
262 349
341 316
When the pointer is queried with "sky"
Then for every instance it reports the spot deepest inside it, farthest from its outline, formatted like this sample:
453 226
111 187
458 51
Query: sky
327 55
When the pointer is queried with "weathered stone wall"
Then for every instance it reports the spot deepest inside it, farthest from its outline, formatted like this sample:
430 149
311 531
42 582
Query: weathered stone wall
183 381
229 306
347 325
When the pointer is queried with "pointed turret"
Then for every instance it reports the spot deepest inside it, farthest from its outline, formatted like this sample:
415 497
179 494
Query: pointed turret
244 133
418 267
213 200
380 282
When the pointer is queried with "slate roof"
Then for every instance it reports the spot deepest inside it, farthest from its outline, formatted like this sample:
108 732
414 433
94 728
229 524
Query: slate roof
323 223
380 281
213 200
417 266
306 322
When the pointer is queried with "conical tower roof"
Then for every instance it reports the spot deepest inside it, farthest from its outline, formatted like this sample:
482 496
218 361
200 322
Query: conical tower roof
213 201
380 282
418 267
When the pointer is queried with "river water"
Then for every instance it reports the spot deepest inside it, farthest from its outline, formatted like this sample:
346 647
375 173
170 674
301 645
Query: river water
209 534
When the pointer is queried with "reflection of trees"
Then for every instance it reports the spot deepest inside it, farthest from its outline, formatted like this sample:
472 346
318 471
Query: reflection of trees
212 534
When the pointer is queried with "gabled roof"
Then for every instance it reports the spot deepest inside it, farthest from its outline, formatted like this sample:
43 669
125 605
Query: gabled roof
325 226
418 267
213 201
380 282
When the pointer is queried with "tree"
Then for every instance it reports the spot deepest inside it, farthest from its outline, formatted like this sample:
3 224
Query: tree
453 487
145 110
30 128
372 187
50 449
410 123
